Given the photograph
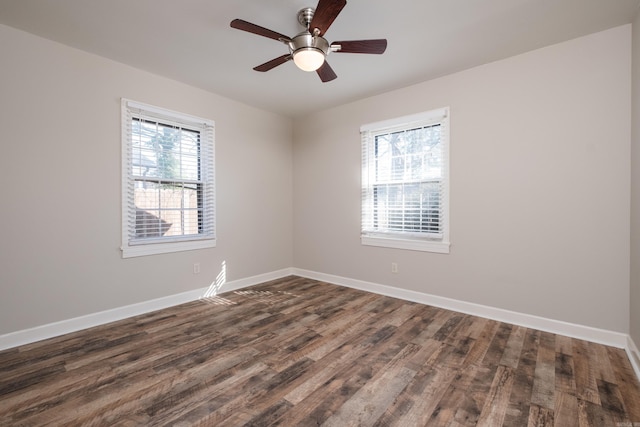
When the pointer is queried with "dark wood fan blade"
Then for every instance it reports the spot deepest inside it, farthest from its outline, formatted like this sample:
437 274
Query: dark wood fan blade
326 12
273 63
256 29
326 73
376 46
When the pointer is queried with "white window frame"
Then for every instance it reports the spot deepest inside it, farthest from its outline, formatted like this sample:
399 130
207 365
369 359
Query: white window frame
418 241
133 247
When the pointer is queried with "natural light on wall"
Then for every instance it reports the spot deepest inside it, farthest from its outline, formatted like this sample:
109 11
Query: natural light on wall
221 279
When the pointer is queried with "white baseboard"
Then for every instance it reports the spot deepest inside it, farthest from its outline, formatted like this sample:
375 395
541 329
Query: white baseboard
38 333
600 336
634 355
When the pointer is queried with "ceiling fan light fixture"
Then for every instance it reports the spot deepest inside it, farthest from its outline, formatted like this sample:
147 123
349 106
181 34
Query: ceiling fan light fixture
308 51
308 58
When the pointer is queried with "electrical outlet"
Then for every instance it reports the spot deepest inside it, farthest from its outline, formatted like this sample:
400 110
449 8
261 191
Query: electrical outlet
196 268
394 267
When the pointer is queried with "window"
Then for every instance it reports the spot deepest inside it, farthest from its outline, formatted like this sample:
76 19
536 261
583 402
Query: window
168 192
405 170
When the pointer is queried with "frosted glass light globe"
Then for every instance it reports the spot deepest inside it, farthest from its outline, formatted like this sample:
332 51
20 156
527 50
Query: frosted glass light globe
308 59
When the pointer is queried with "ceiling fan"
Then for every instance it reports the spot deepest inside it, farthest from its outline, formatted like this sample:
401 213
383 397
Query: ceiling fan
309 49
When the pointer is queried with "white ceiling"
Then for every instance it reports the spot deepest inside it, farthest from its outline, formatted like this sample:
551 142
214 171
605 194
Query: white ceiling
191 40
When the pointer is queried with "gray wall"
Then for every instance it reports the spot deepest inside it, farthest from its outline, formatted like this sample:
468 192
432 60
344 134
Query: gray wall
60 169
540 182
635 188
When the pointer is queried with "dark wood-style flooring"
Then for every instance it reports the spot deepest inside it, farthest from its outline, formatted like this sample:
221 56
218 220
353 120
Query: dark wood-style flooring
298 352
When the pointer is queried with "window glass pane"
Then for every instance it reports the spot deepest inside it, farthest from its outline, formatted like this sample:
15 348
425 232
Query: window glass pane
147 202
188 155
167 209
183 221
164 151
147 195
409 155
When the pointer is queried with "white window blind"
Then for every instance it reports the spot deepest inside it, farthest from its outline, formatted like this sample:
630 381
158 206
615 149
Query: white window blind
168 185
405 182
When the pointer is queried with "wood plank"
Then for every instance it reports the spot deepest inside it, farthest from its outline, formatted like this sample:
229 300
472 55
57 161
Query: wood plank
584 364
566 413
565 379
540 417
520 399
544 376
481 345
495 406
401 408
511 355
422 399
370 402
592 415
564 345
612 402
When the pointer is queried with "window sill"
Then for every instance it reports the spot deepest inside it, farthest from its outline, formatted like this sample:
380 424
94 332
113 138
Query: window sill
166 247
409 244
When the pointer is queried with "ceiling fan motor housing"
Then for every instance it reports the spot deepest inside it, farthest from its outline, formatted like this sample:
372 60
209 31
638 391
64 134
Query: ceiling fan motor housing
306 41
